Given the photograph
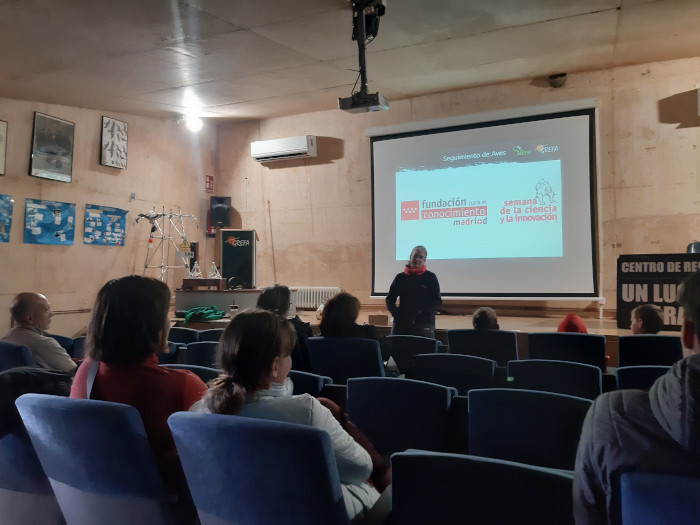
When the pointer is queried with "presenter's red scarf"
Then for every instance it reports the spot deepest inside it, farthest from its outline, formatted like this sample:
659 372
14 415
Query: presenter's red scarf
414 271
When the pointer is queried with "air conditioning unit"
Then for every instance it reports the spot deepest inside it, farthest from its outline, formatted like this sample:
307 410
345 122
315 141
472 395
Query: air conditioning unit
300 147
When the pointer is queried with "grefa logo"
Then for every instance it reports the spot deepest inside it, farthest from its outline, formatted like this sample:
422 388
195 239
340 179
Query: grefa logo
544 148
237 242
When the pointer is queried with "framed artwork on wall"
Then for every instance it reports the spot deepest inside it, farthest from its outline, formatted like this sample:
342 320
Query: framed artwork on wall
3 145
113 143
52 148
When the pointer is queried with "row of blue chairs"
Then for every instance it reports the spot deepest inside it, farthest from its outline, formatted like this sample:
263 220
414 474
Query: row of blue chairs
498 345
501 346
505 425
411 414
239 471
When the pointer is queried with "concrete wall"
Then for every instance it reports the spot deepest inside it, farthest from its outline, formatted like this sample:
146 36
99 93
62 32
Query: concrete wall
314 216
166 167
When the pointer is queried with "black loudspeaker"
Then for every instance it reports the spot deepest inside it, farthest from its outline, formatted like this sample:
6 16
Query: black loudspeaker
220 211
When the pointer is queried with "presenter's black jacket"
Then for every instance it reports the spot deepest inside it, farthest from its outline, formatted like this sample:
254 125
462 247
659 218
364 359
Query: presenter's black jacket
419 299
655 431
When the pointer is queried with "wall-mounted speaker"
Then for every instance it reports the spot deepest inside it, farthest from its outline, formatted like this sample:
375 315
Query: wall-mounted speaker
220 211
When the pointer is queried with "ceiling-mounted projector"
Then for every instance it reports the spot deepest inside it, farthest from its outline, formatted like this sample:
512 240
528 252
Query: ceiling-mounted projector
365 15
363 102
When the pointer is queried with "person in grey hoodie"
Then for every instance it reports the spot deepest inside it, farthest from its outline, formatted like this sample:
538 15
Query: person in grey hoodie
632 430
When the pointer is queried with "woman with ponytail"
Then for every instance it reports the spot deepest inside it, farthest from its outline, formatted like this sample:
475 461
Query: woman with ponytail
254 354
418 292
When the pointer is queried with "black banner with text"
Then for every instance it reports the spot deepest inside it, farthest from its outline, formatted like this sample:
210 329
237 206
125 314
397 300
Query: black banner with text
653 279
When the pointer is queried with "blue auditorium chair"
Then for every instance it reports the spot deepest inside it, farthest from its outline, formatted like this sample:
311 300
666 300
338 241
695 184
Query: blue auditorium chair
308 383
213 334
97 459
429 487
403 348
462 372
536 428
180 334
565 346
205 373
343 357
13 356
26 496
638 377
25 492
248 471
396 414
654 498
78 348
174 355
648 349
499 345
201 353
562 377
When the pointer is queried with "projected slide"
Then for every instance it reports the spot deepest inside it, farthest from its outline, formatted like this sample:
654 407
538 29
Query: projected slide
505 209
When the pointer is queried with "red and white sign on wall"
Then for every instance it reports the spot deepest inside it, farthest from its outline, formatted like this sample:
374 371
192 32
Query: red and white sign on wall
209 183
410 211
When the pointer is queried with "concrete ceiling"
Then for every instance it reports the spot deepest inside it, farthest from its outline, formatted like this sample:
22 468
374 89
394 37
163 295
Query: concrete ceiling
265 58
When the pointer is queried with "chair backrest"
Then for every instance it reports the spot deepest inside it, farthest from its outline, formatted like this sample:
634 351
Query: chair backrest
343 357
563 346
213 334
639 377
403 348
499 345
201 353
462 372
430 487
25 492
97 459
78 348
643 349
13 356
180 334
537 428
204 373
562 377
397 414
308 383
252 471
650 499
176 352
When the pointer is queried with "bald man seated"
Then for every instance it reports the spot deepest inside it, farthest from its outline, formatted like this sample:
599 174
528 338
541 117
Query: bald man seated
31 316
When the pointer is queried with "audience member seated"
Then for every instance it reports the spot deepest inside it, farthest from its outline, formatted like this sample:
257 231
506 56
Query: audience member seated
277 299
485 319
647 319
254 354
655 431
572 323
129 325
31 317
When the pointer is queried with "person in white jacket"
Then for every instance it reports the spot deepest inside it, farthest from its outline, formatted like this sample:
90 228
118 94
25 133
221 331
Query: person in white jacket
255 356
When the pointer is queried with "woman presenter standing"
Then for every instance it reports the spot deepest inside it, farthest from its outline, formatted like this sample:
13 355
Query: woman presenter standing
418 292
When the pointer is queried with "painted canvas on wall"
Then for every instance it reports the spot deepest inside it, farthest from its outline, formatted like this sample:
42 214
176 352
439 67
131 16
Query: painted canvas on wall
104 226
52 148
3 145
114 143
49 222
6 208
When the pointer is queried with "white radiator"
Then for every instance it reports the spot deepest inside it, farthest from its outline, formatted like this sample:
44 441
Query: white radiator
313 296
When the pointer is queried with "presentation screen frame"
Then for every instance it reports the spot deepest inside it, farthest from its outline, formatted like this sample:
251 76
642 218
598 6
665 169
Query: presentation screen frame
543 274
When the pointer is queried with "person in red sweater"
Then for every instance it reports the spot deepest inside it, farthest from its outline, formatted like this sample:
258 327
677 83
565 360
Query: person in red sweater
128 327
